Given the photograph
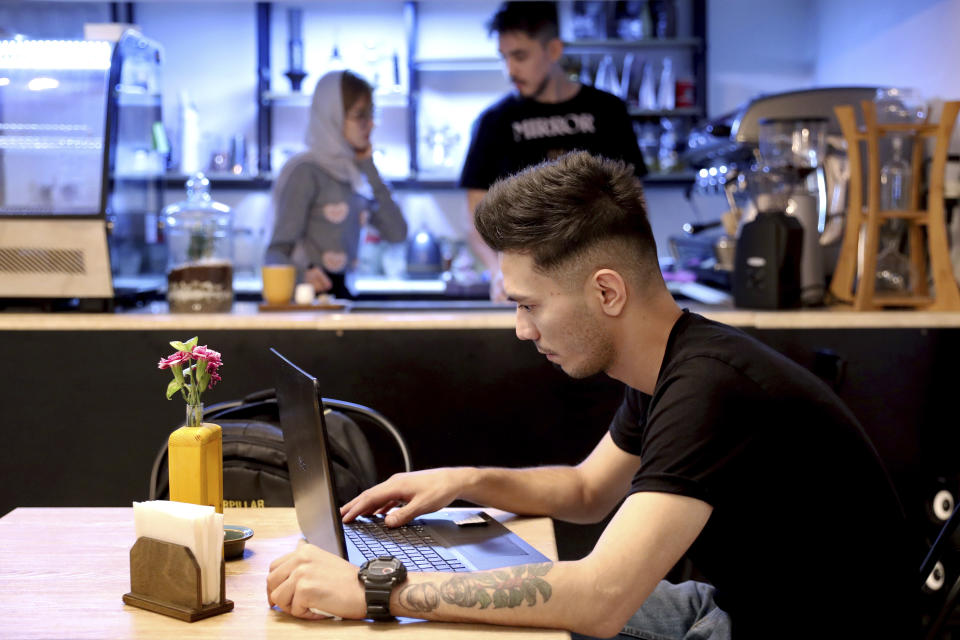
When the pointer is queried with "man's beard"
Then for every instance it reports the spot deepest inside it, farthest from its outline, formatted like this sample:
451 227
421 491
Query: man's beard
541 88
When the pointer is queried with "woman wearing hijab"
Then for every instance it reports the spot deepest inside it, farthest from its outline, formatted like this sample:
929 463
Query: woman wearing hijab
322 196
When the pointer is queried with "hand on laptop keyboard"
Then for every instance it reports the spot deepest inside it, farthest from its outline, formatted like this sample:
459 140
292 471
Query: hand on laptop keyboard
408 495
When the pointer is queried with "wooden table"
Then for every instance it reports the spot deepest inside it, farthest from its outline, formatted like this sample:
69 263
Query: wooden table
63 572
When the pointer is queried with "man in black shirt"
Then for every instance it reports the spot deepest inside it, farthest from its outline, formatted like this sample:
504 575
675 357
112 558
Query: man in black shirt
722 450
547 116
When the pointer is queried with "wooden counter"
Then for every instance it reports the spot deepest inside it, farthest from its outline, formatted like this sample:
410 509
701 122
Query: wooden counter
82 391
246 317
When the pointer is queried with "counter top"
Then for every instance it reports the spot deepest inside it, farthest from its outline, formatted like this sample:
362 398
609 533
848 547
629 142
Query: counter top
245 316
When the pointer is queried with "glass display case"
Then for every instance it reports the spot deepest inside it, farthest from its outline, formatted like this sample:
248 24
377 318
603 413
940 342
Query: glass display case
53 124
82 153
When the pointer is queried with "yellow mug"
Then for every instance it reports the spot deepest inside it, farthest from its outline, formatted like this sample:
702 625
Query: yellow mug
278 283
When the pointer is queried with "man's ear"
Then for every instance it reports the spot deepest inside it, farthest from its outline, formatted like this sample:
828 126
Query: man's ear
609 290
555 49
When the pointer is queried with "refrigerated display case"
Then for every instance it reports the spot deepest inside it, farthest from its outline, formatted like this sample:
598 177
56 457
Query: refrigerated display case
53 122
81 159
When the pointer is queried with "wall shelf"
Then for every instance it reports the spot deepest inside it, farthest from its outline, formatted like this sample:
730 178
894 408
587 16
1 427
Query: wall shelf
419 68
492 64
131 99
287 99
665 113
606 45
222 181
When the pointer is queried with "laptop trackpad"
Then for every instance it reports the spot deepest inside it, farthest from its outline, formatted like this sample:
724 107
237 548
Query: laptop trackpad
491 540
499 546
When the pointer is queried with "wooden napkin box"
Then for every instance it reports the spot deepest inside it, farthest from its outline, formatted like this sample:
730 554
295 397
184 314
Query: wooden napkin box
165 578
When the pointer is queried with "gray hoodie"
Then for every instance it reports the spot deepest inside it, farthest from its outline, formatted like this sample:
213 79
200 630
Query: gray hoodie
318 208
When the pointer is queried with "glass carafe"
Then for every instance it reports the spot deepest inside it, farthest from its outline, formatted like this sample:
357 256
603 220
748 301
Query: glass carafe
893 265
200 245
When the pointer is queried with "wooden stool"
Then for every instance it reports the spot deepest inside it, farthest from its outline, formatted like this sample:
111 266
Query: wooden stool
946 295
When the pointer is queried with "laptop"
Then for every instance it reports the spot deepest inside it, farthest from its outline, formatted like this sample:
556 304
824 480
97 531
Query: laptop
446 540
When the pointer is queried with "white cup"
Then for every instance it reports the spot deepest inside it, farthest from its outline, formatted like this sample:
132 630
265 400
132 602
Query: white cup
304 293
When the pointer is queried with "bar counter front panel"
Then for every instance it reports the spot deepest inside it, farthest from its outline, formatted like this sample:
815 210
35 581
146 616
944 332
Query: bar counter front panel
85 413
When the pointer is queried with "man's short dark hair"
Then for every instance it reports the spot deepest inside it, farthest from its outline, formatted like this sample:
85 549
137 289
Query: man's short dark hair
536 19
575 213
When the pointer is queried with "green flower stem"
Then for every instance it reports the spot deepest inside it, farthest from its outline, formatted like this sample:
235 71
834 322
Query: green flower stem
194 399
178 375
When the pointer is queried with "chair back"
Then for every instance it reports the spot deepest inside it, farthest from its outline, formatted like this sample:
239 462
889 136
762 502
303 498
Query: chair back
255 462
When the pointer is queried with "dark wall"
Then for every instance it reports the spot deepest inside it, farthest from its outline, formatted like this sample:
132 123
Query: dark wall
901 385
84 412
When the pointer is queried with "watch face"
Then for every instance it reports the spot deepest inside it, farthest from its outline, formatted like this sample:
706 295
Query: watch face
381 568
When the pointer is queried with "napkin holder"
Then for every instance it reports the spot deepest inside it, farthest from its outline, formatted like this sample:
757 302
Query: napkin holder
165 578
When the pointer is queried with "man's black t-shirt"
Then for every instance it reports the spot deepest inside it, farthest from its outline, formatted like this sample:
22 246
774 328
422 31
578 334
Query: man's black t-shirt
807 537
518 132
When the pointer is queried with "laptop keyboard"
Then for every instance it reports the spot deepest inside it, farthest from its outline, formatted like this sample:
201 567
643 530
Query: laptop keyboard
411 544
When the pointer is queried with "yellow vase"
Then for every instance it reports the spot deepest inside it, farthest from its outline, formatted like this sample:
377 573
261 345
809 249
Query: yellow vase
195 462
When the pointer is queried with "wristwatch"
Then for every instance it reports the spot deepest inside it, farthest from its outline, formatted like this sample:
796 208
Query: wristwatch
379 576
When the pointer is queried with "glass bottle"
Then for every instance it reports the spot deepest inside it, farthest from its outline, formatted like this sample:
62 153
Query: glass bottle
648 88
895 105
607 76
895 180
893 267
666 93
200 251
646 21
666 19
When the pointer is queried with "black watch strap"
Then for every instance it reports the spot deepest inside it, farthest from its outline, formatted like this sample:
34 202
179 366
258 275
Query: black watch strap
379 576
378 602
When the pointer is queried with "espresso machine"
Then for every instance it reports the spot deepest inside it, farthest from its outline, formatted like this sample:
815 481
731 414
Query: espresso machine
780 153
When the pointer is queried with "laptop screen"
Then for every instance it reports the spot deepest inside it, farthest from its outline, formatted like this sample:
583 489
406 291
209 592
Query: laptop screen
305 440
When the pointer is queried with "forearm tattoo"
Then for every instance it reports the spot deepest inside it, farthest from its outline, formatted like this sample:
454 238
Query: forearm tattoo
508 587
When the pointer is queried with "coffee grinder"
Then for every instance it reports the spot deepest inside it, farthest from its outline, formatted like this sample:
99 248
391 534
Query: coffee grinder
778 259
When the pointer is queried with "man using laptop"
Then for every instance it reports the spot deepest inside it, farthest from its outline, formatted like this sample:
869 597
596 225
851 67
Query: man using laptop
722 449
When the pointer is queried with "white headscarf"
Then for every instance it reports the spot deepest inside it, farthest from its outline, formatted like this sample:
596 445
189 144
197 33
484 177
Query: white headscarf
326 145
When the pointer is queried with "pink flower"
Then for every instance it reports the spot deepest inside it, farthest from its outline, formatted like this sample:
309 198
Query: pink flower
209 355
193 379
179 358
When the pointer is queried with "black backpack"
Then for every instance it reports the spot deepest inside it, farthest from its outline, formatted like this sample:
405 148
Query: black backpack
255 461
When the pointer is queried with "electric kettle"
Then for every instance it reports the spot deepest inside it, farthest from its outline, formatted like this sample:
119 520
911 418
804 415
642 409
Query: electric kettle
424 255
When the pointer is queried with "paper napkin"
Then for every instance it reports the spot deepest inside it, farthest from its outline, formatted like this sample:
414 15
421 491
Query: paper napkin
197 527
